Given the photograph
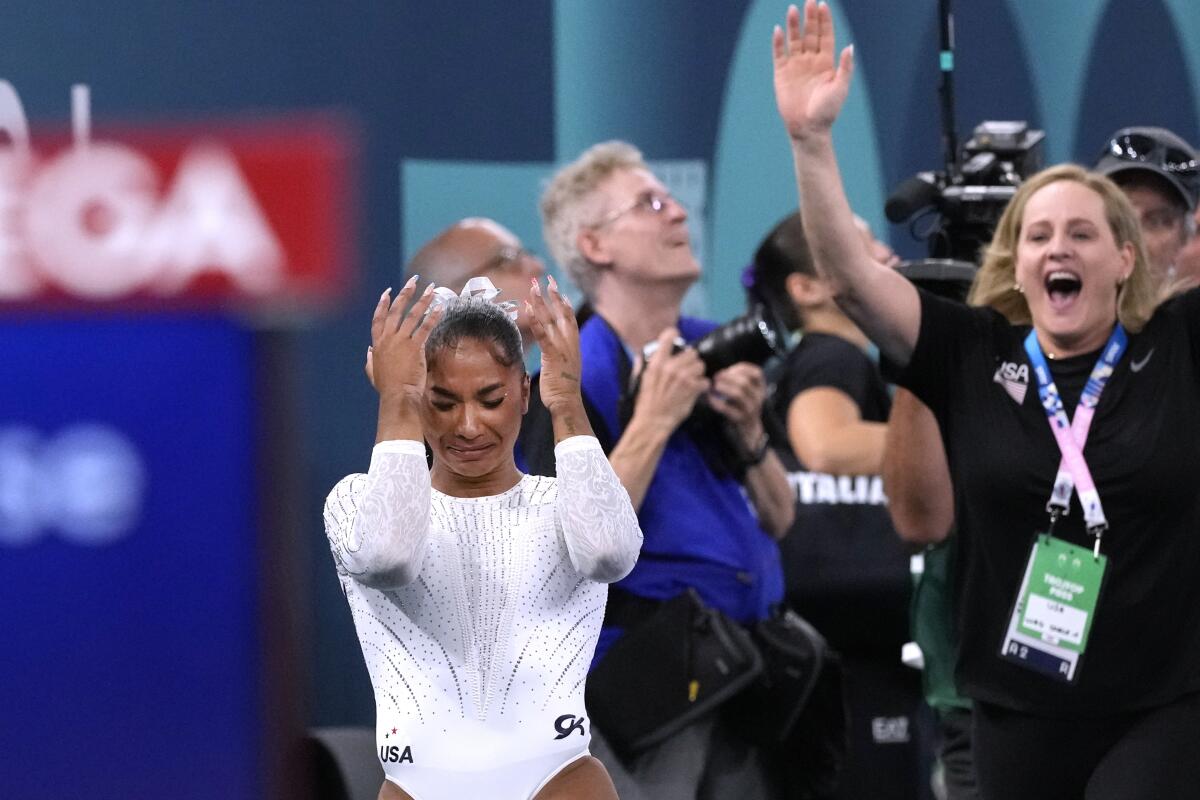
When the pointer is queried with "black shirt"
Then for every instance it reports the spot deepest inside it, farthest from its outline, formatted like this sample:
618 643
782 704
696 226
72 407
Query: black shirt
970 368
842 561
821 359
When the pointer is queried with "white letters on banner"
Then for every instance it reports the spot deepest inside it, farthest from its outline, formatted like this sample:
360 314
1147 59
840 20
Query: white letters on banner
86 482
93 221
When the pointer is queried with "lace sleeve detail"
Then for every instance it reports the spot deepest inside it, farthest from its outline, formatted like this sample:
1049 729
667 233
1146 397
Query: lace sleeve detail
378 523
594 513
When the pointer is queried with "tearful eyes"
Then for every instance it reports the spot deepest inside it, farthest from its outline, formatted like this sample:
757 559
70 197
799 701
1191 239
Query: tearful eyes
447 405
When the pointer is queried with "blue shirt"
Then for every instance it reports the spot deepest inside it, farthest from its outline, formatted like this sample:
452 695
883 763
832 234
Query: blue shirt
699 529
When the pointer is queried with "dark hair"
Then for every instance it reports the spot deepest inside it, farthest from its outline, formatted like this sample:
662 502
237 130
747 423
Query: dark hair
479 319
782 252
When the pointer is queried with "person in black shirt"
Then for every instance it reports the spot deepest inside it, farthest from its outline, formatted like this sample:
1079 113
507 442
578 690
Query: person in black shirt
843 562
1144 162
1067 266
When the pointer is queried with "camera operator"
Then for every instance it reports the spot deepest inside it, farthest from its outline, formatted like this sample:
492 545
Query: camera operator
624 242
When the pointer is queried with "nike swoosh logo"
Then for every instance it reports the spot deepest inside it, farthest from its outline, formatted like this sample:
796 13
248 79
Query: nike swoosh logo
1136 366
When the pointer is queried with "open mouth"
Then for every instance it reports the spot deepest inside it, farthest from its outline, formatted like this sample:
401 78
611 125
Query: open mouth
1062 287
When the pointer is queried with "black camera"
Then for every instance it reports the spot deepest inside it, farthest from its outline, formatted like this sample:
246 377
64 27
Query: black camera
970 198
967 200
755 337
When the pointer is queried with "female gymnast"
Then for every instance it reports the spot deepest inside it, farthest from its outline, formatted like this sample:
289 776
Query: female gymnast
477 592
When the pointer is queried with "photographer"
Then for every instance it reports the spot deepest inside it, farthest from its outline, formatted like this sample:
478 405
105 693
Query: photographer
624 242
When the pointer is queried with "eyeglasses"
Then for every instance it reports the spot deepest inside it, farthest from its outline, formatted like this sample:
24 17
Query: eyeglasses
505 259
650 202
1140 147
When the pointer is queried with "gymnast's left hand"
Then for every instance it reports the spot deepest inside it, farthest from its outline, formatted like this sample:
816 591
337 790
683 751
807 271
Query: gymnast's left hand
557 334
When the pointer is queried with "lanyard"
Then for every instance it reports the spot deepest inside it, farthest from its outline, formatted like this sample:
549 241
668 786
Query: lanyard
1071 435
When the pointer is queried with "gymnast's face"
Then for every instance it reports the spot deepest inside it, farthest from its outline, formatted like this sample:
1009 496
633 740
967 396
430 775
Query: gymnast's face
472 412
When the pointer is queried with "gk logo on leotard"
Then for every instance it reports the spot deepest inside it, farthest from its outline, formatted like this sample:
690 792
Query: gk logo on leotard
568 724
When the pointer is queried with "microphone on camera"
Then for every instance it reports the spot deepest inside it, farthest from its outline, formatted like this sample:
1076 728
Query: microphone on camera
918 192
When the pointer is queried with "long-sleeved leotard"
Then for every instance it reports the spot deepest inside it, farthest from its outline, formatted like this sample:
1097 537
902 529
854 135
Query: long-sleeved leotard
478 616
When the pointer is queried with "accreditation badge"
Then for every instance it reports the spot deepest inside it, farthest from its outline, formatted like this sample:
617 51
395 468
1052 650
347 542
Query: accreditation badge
1056 604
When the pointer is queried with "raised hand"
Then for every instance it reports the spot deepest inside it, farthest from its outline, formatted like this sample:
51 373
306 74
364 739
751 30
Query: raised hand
396 358
809 87
552 321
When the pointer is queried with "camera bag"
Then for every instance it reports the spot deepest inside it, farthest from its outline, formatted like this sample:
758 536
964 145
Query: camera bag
797 707
679 662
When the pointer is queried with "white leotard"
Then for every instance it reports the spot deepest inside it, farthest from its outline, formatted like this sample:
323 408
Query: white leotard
478 617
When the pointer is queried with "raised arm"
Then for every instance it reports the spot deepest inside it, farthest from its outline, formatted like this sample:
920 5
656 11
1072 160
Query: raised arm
810 90
556 331
378 523
594 513
597 520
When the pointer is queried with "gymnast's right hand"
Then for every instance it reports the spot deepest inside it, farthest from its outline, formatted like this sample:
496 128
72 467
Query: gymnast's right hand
809 89
396 358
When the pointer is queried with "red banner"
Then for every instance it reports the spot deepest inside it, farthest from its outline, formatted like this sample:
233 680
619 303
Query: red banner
255 214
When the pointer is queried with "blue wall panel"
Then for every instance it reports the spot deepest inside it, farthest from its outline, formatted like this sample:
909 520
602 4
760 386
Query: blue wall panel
128 560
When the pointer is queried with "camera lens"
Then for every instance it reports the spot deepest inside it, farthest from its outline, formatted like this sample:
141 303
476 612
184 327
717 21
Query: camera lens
753 337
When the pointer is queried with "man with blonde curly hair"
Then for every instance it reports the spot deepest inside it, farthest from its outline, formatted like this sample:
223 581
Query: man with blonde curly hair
623 240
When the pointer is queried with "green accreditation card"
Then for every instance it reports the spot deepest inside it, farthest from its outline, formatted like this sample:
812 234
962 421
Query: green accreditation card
1055 608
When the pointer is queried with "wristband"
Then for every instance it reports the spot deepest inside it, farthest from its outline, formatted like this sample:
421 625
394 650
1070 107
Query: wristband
759 452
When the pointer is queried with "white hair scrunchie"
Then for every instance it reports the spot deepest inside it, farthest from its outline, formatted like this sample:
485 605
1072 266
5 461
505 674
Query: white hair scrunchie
480 287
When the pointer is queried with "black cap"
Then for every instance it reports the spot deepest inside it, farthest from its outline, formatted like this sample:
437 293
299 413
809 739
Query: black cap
1157 151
